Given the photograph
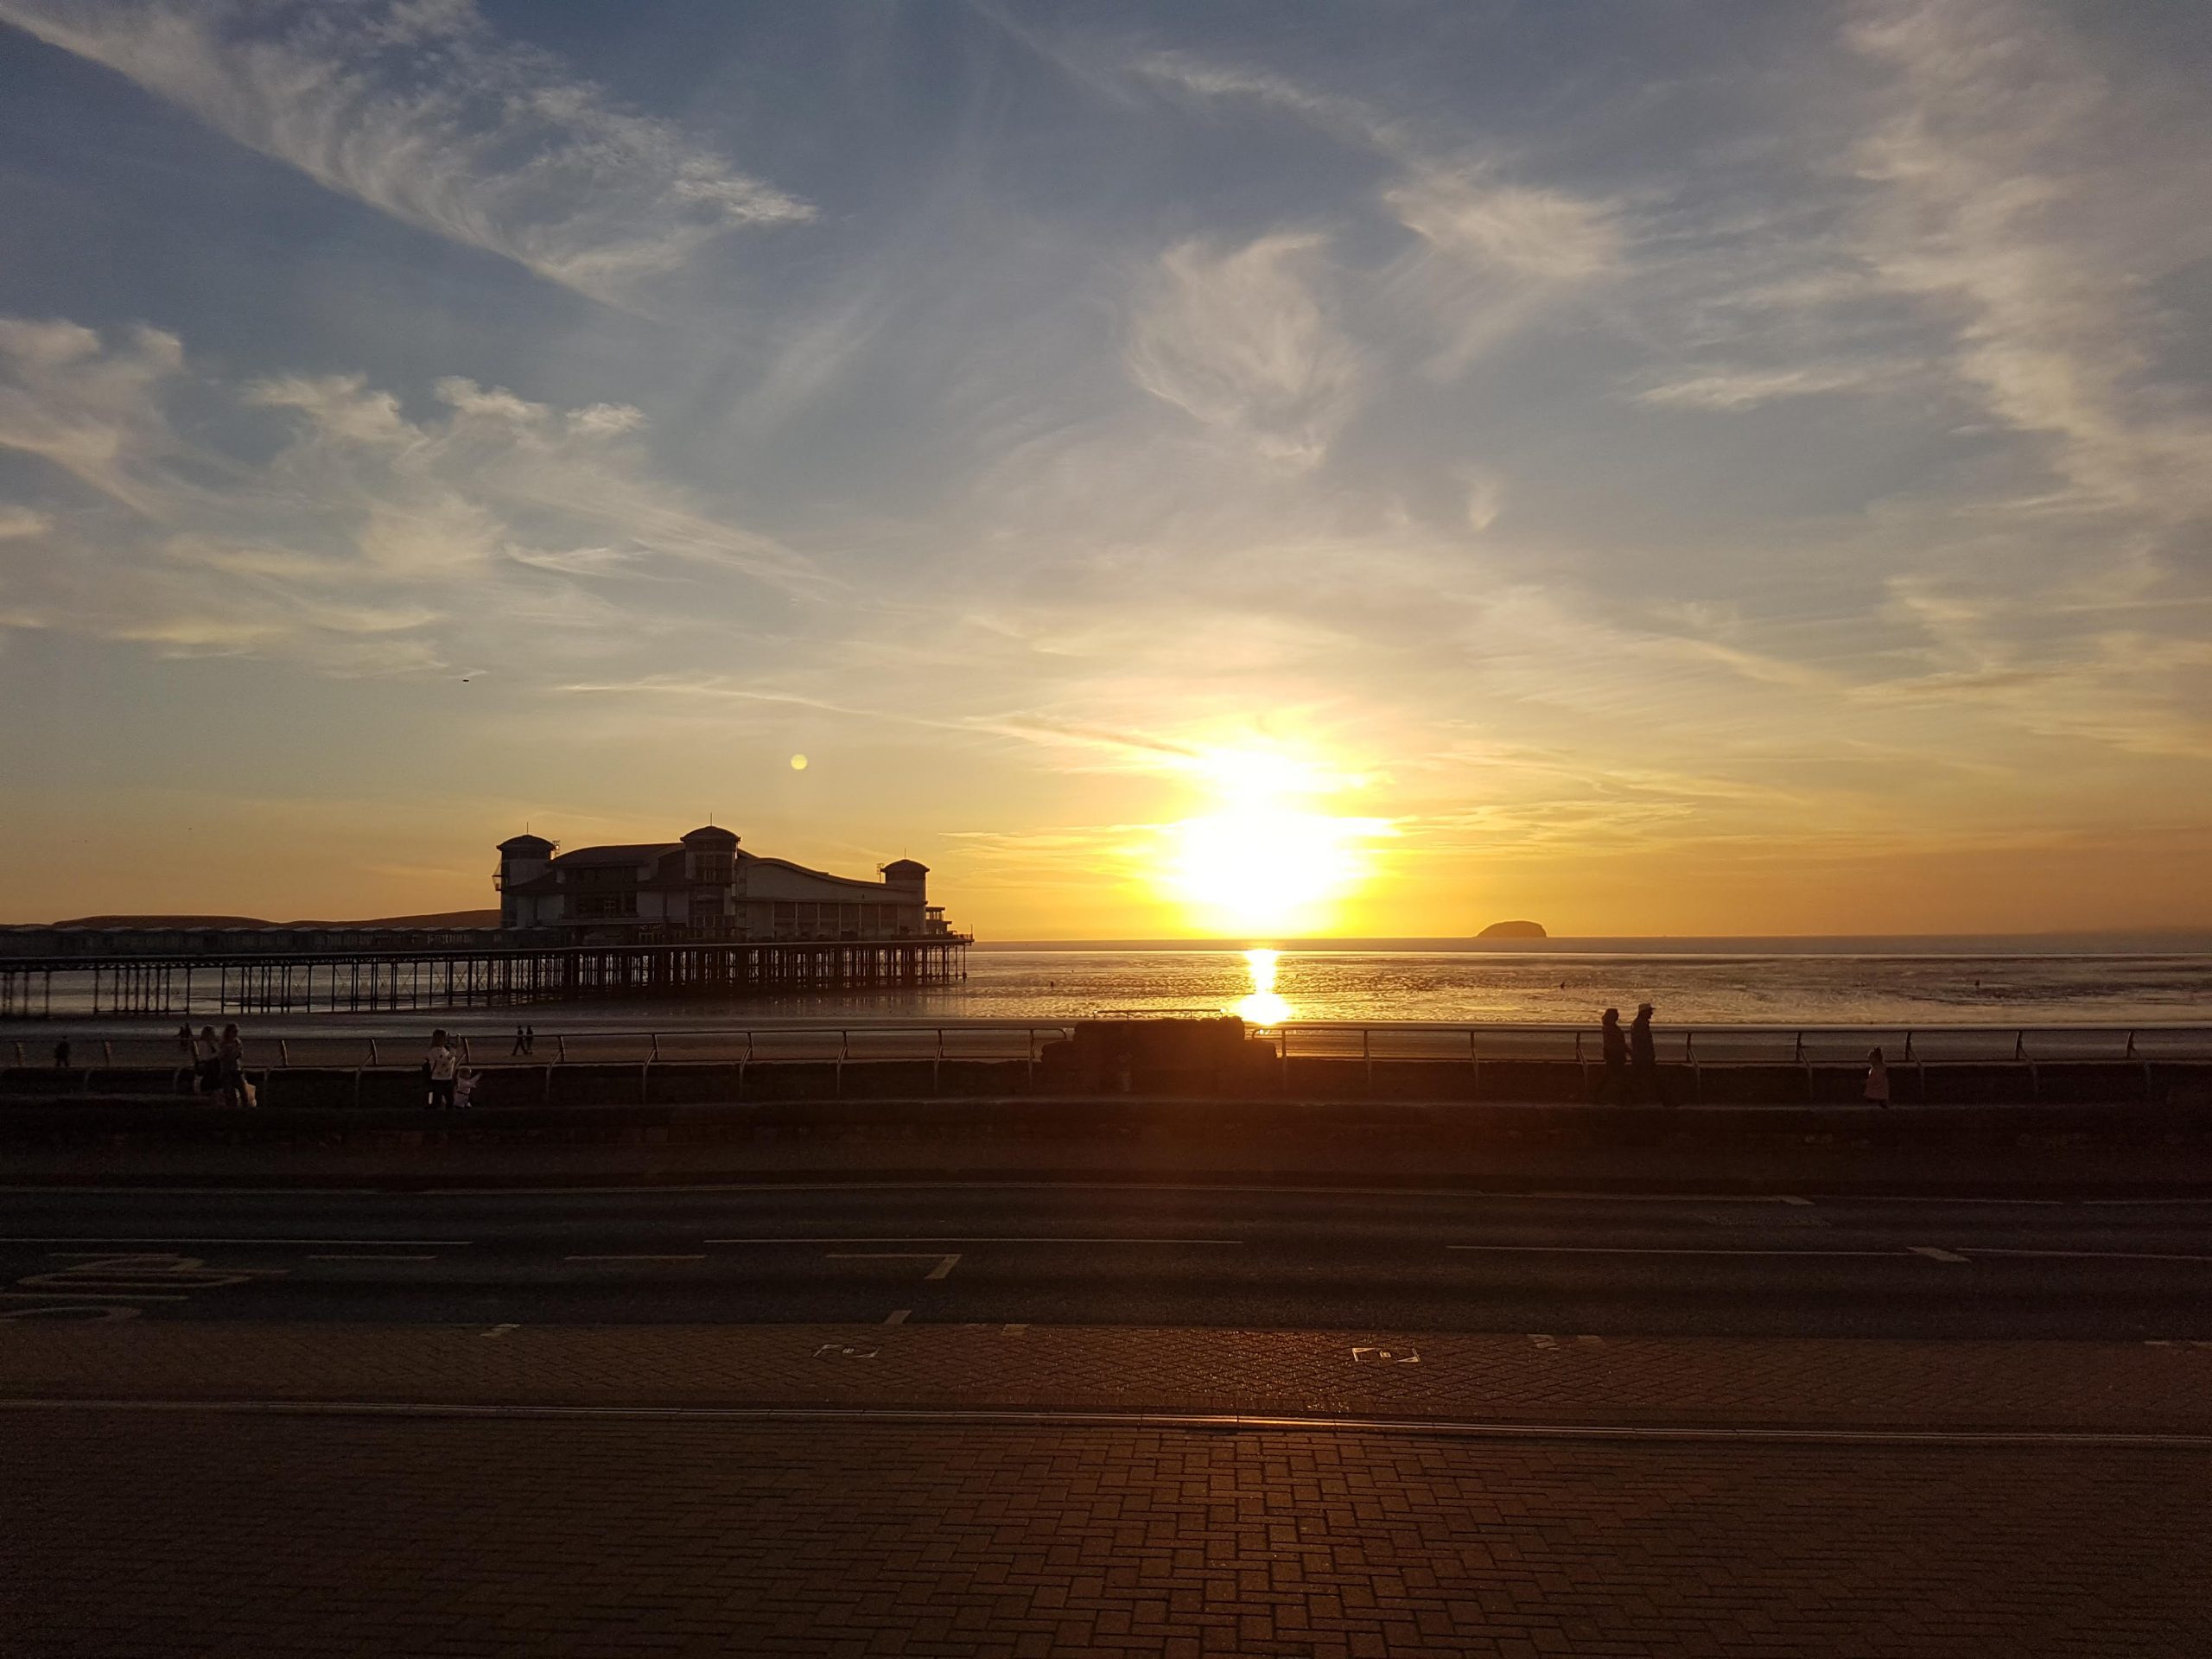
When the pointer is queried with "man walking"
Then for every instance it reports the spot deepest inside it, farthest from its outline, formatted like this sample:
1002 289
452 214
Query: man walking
230 1069
1643 1060
443 1064
1612 1089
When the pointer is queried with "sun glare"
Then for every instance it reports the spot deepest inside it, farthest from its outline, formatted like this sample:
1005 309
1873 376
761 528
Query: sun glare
1262 1006
1266 861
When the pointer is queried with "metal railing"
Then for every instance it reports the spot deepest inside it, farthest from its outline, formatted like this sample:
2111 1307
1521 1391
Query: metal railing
1748 1044
1701 1045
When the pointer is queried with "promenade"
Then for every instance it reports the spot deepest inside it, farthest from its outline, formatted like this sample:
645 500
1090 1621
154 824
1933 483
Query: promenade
929 1418
480 1490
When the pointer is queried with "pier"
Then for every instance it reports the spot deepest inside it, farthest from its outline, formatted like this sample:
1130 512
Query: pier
474 976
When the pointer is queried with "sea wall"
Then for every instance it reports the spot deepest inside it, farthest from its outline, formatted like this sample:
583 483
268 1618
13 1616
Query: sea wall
1242 1077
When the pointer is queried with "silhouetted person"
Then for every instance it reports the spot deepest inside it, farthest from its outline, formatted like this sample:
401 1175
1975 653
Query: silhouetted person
206 1062
529 1040
61 1055
1643 1060
230 1069
522 1042
1612 1089
443 1064
1877 1080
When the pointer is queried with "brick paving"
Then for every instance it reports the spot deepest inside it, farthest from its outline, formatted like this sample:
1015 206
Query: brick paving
1528 1378
159 1534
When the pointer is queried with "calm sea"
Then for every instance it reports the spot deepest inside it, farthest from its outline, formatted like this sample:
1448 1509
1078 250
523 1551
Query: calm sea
1780 983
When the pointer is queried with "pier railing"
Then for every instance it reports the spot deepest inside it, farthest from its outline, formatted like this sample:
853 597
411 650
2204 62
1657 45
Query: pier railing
1715 1045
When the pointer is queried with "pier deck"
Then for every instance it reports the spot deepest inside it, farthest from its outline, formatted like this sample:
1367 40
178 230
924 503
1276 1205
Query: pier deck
470 976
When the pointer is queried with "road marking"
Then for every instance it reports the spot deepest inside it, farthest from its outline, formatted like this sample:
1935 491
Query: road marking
1438 1428
899 1316
1785 1198
500 1330
1649 1250
1014 1330
364 1256
2094 1255
104 1312
1934 1254
1543 1342
912 1238
121 1274
946 1264
844 1350
1385 1356
455 1244
633 1258
105 1294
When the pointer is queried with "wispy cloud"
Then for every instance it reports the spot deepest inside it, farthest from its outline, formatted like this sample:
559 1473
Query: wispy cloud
417 108
361 521
1735 388
2019 188
1491 252
1347 118
1244 341
1494 256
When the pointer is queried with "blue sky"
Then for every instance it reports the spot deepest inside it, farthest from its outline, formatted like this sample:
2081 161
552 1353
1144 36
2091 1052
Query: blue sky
1669 466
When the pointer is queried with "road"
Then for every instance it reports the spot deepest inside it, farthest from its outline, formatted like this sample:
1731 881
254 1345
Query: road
1606 1266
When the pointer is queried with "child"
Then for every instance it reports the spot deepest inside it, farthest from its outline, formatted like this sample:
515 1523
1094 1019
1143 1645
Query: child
1877 1081
464 1090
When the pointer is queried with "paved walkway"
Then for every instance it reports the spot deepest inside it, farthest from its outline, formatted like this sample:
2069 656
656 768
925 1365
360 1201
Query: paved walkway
207 1488
1536 1378
224 1536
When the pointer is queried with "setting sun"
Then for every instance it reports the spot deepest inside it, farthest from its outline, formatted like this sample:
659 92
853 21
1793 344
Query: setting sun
1266 860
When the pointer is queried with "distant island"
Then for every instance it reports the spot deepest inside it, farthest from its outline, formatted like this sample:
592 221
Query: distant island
1513 931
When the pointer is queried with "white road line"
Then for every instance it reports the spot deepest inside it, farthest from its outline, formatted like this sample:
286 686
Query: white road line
1439 1428
2094 1255
500 1330
1933 1253
946 1264
1630 1249
633 1258
102 1294
915 1238
455 1243
899 1316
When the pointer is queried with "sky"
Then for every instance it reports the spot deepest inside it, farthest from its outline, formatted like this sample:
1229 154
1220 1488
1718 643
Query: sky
1646 466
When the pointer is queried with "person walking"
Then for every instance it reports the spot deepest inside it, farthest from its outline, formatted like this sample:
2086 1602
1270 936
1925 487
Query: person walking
529 1040
61 1055
1876 1091
522 1042
1643 1060
230 1069
206 1062
1613 1088
443 1064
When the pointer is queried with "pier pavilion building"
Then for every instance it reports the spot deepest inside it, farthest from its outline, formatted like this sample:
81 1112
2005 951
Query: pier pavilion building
704 887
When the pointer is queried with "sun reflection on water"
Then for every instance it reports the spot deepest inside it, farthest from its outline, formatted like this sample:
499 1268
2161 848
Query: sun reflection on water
1262 1006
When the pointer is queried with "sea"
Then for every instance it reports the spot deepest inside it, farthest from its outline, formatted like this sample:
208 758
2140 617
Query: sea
2118 980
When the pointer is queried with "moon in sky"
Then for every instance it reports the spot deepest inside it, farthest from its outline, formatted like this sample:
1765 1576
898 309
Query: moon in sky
798 763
